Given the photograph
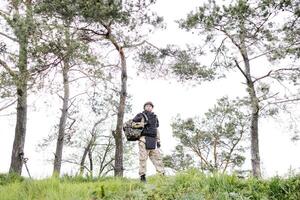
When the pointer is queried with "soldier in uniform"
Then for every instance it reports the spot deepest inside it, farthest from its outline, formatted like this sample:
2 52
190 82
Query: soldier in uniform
149 142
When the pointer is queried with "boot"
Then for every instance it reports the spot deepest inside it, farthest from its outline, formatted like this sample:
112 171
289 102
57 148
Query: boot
143 178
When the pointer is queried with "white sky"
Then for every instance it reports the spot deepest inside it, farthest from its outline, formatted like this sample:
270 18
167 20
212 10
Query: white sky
278 153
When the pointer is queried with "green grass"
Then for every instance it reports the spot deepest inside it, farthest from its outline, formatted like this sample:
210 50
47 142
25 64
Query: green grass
188 185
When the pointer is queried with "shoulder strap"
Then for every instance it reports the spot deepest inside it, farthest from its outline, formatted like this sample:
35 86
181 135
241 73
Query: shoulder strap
146 118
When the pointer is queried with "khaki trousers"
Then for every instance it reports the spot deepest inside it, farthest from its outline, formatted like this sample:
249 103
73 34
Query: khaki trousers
153 154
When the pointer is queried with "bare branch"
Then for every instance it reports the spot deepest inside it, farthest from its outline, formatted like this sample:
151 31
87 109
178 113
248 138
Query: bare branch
61 97
8 105
8 114
77 95
274 71
93 31
78 78
8 69
134 45
72 123
218 51
274 49
241 70
5 15
42 68
86 75
153 45
9 37
74 162
286 101
270 97
288 69
262 77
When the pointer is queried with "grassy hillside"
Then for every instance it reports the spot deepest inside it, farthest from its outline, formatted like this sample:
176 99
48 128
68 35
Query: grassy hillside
189 185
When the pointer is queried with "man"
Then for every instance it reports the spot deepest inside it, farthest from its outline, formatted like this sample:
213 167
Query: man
149 142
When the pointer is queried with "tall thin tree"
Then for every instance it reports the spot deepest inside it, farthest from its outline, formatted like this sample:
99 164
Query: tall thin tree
22 26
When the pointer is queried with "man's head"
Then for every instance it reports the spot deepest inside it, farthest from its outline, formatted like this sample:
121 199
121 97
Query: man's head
148 106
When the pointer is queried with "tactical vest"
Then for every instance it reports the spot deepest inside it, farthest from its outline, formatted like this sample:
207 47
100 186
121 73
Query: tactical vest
151 127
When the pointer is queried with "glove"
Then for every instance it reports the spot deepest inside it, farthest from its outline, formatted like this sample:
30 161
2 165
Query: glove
158 144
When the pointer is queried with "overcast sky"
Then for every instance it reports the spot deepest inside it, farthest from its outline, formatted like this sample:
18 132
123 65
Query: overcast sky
170 98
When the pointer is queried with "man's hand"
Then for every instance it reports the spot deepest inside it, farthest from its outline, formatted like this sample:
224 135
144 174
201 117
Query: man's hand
158 144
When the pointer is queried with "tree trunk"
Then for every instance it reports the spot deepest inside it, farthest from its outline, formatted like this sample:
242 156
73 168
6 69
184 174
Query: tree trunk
85 153
255 158
215 154
91 162
65 106
118 170
62 121
20 131
256 170
21 84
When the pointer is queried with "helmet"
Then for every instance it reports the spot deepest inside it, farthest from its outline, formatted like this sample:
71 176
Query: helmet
148 103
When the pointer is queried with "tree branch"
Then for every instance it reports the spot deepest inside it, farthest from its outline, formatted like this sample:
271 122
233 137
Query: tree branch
262 77
274 71
5 15
218 51
9 37
42 68
93 31
134 45
8 105
74 162
285 101
270 97
8 69
241 70
274 49
232 149
231 38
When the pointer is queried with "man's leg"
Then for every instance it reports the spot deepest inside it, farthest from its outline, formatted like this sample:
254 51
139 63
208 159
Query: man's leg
156 159
143 155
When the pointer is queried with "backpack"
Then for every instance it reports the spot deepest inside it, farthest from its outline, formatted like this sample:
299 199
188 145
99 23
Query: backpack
133 130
